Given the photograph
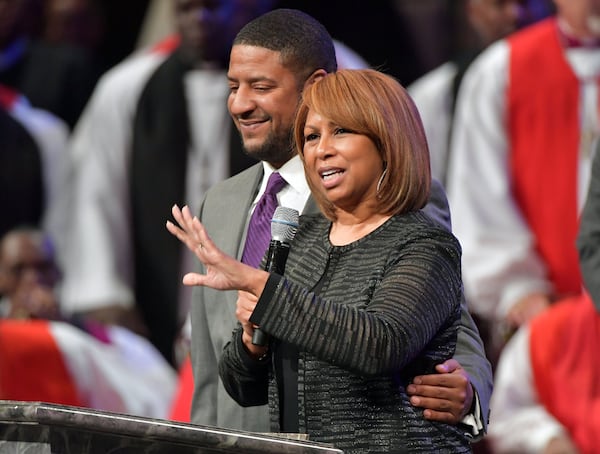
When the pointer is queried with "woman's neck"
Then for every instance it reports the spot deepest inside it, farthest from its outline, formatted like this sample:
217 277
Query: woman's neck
349 227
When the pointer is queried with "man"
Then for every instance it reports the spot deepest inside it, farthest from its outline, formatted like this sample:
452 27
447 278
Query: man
435 92
554 353
56 78
28 275
46 357
159 116
521 150
33 163
272 59
545 396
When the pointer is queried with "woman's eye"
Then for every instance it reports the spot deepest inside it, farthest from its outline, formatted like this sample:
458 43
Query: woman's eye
310 137
342 131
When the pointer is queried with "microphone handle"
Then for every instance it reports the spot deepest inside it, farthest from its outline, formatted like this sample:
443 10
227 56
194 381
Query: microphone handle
259 338
276 258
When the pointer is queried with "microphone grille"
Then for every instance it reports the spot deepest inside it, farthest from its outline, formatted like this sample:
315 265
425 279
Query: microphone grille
284 224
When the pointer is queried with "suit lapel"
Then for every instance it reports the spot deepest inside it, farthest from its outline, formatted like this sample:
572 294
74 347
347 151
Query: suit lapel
227 222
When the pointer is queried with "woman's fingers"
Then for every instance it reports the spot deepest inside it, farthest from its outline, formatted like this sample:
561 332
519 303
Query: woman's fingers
188 228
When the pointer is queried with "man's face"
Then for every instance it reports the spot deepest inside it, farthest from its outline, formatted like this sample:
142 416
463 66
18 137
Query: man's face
263 99
495 19
26 261
208 27
11 15
73 21
582 16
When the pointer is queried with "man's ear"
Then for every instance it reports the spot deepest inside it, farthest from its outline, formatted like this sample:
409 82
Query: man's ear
318 74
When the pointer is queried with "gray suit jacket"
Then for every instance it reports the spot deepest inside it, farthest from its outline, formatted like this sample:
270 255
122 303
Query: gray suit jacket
588 240
224 214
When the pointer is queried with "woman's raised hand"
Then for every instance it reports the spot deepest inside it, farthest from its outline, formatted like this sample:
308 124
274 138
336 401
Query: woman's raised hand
222 271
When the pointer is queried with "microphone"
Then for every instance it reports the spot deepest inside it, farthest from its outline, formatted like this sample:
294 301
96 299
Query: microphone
283 229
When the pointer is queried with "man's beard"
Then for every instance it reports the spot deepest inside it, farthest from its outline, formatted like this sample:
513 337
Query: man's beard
277 149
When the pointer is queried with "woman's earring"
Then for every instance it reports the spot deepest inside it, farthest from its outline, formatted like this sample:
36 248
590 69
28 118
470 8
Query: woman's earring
381 180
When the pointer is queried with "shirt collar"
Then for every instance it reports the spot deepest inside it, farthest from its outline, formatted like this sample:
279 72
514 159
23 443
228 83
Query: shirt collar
292 171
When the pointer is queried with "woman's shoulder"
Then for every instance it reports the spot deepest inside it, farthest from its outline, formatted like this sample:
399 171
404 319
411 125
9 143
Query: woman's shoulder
416 220
417 224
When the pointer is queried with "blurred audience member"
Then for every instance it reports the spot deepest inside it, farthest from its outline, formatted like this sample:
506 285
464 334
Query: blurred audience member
53 77
78 362
28 275
435 92
526 119
546 398
378 31
74 22
33 163
156 131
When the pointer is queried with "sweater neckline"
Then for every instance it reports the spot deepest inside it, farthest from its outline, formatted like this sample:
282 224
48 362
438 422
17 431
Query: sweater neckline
332 248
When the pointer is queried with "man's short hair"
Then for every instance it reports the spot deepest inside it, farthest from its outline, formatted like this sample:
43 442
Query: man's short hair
303 42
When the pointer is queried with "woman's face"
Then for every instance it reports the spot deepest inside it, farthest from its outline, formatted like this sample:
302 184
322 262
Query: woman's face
340 163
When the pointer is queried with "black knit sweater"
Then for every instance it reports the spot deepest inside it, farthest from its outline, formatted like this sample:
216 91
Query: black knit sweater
388 309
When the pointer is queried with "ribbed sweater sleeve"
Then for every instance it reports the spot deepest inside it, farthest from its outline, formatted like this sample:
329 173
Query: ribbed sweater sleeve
246 379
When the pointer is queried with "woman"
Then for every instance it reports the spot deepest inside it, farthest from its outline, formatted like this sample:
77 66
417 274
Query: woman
372 287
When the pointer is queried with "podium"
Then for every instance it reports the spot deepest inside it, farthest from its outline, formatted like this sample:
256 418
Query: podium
40 428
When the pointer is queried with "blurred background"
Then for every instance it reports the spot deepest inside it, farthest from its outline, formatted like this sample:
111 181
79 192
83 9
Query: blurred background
404 37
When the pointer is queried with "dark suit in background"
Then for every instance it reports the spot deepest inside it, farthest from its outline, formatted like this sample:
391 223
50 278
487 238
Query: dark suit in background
56 78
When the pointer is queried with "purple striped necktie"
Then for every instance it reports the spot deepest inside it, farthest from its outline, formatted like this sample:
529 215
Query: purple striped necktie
259 229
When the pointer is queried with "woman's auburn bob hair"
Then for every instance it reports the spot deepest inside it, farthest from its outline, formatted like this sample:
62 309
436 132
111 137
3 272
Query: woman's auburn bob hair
374 104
